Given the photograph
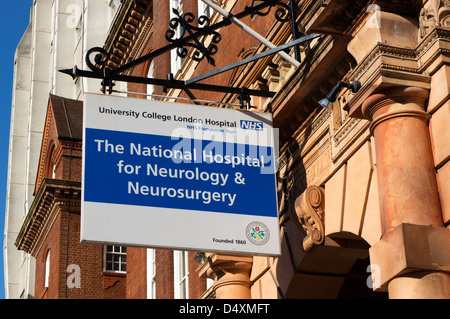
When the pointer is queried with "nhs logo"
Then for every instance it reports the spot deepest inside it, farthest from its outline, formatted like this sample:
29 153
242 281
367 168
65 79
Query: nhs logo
251 125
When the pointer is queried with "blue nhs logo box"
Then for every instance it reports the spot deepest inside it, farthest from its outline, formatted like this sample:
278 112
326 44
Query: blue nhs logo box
251 125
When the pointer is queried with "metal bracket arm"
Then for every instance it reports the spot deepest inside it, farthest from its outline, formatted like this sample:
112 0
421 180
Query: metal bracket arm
253 58
168 83
99 70
200 32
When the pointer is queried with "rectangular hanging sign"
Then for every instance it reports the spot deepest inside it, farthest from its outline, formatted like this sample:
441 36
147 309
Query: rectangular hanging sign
178 176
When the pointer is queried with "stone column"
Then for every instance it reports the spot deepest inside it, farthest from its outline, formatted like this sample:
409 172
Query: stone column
231 275
412 253
407 183
412 258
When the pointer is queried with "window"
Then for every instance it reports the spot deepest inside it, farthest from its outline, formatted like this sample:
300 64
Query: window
181 274
47 269
50 171
151 274
115 258
175 61
203 9
114 7
209 283
150 74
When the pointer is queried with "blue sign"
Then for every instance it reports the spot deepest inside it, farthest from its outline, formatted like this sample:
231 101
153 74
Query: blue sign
199 171
252 125
149 170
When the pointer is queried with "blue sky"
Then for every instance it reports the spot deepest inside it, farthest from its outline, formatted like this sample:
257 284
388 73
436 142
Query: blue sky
14 19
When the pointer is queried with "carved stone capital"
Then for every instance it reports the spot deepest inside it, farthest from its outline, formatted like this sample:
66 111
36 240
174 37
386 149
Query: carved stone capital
387 59
309 215
231 275
395 102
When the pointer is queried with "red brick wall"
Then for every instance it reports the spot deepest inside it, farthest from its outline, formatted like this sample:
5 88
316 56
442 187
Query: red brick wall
234 42
136 273
51 245
65 249
197 286
68 156
164 274
161 19
161 15
70 162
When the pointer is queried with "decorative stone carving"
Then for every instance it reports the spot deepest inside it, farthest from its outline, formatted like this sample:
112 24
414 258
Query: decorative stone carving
231 275
52 197
427 21
129 32
444 13
309 214
435 13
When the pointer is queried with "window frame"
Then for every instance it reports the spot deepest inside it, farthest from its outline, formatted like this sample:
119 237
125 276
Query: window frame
151 273
121 254
181 274
150 74
176 61
47 269
203 9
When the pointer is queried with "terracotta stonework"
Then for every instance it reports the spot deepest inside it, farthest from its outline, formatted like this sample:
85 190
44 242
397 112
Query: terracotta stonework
411 257
406 178
231 275
362 187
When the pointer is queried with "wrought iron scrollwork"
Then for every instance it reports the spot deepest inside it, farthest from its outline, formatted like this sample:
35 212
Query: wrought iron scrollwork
184 23
98 66
193 36
282 13
100 59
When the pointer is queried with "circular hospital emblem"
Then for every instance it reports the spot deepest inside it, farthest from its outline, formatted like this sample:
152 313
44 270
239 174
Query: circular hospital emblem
258 233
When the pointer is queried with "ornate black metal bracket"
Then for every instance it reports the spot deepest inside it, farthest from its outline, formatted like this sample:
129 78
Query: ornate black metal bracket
190 36
184 23
283 13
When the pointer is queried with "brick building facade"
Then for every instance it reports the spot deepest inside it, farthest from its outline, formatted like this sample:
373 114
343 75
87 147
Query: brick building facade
65 268
362 183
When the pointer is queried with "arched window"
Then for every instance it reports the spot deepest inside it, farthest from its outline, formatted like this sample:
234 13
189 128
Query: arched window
50 170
